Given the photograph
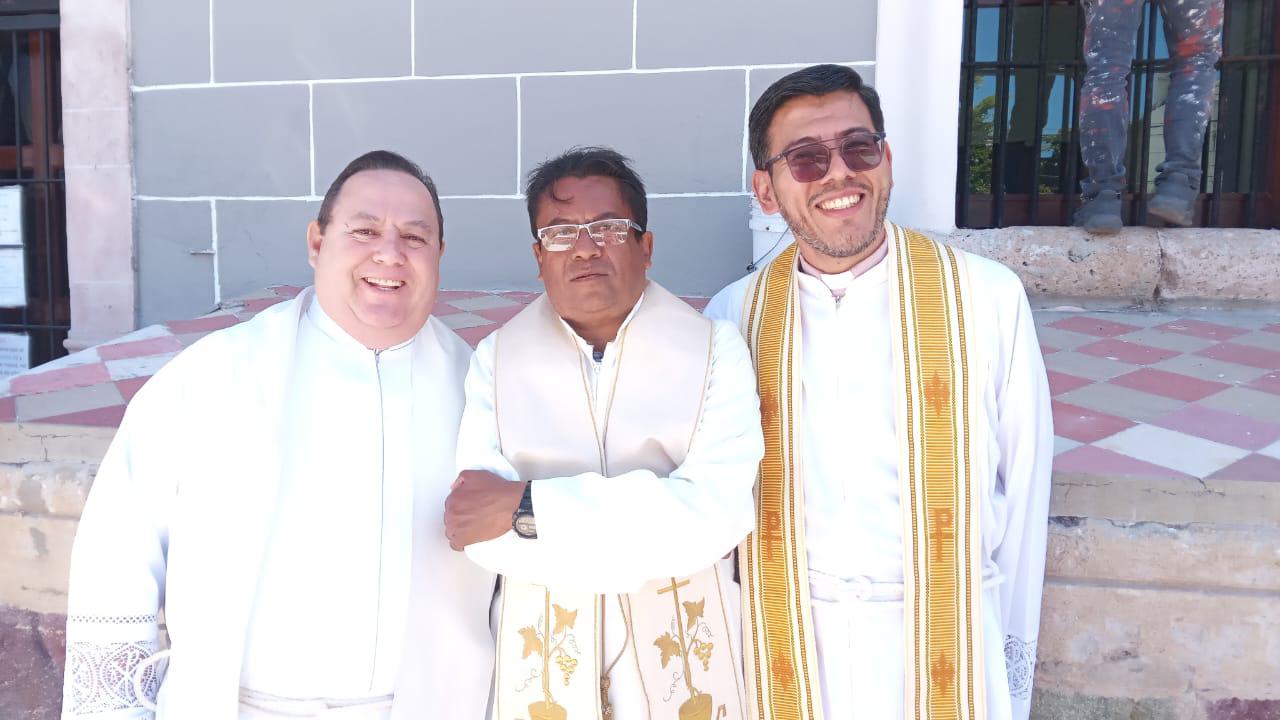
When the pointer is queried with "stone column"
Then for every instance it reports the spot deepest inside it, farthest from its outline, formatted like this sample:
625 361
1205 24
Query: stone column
918 49
99 170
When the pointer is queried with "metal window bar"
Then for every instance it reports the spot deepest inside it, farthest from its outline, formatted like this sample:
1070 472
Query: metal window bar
1041 93
1241 74
1260 121
31 30
1215 204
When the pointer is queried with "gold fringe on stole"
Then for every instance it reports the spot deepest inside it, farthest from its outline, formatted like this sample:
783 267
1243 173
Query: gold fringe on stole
942 593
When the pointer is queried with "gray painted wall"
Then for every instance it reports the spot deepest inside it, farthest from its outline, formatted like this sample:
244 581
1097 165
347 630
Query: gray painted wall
244 111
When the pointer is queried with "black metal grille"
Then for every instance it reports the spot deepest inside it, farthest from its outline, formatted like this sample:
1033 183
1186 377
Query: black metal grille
31 158
1019 125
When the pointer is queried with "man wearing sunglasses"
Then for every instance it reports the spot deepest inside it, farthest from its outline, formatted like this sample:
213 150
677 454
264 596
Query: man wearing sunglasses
898 561
607 454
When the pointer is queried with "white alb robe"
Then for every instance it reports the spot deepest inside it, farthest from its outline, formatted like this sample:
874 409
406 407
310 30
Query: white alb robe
612 535
853 520
342 537
277 489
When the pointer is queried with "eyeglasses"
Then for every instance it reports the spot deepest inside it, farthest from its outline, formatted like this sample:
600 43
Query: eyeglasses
809 163
614 231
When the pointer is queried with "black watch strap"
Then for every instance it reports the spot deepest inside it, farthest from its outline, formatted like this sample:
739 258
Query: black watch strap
522 519
526 500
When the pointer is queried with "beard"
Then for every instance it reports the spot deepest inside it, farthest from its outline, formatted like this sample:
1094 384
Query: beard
840 244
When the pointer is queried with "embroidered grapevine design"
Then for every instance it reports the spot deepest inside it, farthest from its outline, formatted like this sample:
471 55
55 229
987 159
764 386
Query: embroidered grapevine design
549 643
691 641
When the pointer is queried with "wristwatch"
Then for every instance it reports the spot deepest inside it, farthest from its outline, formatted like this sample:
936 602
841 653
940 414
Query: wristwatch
522 518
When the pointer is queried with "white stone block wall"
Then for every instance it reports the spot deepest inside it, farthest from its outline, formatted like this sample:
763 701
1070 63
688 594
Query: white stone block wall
244 111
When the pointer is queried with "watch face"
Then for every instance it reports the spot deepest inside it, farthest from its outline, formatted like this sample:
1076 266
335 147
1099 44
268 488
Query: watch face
524 526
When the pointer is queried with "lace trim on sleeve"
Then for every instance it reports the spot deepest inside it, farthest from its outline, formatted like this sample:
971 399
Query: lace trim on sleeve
99 675
1020 661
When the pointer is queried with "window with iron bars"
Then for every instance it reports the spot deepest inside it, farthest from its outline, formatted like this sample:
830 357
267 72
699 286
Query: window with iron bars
35 297
1019 161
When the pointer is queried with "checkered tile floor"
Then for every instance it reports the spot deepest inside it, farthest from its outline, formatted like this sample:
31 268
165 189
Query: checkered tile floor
1144 394
1165 395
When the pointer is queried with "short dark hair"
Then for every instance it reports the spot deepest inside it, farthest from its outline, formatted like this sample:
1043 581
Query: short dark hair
813 80
582 162
377 160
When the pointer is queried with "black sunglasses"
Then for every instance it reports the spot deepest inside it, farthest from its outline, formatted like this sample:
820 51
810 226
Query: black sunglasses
810 162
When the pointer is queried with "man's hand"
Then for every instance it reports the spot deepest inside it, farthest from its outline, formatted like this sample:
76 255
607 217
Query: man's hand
479 507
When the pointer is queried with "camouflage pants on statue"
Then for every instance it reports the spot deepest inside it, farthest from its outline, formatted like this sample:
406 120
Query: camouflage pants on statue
1194 32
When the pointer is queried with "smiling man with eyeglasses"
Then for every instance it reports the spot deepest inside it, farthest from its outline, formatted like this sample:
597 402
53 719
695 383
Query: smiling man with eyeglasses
607 455
902 504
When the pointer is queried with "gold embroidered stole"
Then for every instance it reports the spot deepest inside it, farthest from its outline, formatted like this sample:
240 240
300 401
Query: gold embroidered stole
942 545
549 639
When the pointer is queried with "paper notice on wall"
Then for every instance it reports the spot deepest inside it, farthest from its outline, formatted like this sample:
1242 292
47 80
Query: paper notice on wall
11 215
15 354
13 278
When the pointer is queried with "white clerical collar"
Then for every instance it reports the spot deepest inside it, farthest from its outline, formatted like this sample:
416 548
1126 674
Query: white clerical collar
327 325
838 283
587 348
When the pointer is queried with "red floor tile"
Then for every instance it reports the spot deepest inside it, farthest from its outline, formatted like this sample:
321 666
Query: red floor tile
98 417
1267 383
697 303
1060 382
140 348
63 379
129 387
1168 384
1092 460
286 291
1047 350
499 315
1094 326
1202 329
441 309
257 305
204 324
1085 425
1235 430
473 335
1243 355
1132 353
1251 467
1274 327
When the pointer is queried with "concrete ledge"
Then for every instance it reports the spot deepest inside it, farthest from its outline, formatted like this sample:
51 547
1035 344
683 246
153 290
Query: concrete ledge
47 443
1138 265
1170 501
1205 557
1228 265
1068 262
35 561
1127 642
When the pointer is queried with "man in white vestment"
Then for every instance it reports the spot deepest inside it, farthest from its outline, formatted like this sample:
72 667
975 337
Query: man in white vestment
275 491
897 567
607 455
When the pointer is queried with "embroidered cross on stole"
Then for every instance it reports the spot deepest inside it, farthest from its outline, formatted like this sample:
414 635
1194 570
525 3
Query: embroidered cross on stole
550 659
942 582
